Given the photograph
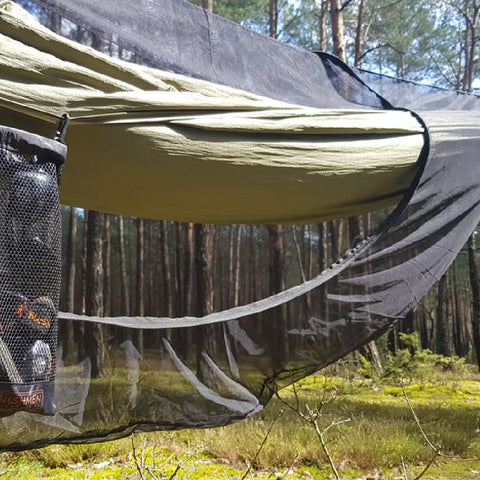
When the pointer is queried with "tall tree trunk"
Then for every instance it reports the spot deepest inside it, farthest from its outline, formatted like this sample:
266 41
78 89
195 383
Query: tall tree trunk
359 34
107 270
275 241
83 295
303 276
55 22
70 257
336 18
236 283
322 26
276 267
444 330
253 264
277 328
458 319
208 5
80 326
475 287
167 277
273 14
203 265
356 232
322 264
310 252
94 345
205 336
465 83
188 269
471 11
179 264
125 291
140 277
231 262
69 328
333 239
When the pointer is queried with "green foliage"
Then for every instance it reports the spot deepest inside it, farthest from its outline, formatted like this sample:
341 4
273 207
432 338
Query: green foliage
411 341
297 21
413 364
249 13
380 433
420 41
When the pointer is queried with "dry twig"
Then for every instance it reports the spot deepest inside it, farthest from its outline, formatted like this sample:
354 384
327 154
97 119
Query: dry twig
312 416
260 448
436 450
142 467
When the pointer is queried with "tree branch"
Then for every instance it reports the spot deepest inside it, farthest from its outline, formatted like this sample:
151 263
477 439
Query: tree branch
312 416
260 448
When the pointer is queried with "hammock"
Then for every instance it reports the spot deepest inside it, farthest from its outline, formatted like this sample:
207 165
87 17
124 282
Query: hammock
190 150
335 148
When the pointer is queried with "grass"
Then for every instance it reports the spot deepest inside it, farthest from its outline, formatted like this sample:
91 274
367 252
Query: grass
381 432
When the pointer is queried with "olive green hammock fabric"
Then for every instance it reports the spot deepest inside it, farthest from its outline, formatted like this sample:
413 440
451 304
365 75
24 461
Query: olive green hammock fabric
145 142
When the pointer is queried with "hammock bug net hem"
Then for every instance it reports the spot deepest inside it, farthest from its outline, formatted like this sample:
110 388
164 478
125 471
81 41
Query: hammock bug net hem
171 368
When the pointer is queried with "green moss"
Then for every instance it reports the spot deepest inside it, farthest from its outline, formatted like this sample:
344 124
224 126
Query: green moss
380 433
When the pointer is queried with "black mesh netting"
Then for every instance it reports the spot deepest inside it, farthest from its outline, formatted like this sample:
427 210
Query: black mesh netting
30 272
160 372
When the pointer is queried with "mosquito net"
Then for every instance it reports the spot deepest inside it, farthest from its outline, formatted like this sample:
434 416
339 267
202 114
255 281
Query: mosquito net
172 368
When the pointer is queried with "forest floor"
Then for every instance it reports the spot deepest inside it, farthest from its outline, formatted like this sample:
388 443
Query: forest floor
373 435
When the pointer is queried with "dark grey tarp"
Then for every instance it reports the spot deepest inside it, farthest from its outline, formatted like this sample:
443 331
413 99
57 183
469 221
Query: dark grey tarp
216 49
215 373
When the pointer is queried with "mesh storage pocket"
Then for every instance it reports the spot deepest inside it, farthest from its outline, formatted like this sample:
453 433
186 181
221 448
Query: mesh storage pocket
30 270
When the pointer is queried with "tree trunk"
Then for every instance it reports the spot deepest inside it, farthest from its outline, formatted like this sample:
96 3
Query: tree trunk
94 345
322 264
167 278
107 271
322 26
303 276
231 253
458 319
236 283
336 18
80 326
140 278
55 22
203 264
277 325
273 14
208 5
68 330
359 34
188 269
70 257
179 297
275 269
125 292
475 287
84 263
205 336
444 330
